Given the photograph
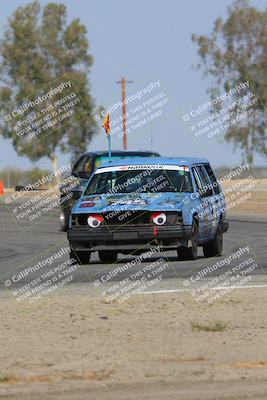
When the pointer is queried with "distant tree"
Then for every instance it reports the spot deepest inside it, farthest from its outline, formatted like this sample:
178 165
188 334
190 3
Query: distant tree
237 47
39 47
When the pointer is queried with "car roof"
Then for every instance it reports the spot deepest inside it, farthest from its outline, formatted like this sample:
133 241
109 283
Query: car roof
188 161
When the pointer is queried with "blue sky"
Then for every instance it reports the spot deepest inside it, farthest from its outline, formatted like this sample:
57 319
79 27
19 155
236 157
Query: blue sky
145 41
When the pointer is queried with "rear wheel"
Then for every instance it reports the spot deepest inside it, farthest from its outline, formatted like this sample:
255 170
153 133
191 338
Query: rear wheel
80 257
190 252
215 246
108 256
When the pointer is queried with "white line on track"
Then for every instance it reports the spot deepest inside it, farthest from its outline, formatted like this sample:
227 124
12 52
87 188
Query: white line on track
215 288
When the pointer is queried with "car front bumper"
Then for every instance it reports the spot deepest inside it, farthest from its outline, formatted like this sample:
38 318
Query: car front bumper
127 237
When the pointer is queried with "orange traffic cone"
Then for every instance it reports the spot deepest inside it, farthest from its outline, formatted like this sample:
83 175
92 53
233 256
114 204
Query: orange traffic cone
1 188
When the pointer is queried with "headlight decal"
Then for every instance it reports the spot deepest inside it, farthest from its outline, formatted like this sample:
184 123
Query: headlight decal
94 220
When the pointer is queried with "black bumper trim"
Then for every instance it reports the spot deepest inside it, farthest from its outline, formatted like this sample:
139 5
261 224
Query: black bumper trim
85 235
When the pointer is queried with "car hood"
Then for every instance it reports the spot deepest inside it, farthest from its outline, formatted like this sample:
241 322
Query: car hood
143 201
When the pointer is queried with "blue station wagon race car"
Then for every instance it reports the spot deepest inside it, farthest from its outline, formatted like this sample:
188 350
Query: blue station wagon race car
129 206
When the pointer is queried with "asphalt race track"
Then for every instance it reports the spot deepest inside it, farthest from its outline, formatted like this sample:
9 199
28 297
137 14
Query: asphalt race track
27 247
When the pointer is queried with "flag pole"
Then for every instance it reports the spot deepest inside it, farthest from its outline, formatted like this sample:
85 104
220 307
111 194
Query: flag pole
106 126
109 147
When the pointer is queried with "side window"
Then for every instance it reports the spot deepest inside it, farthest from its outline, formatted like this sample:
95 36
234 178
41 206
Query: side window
213 180
78 167
87 167
197 179
202 181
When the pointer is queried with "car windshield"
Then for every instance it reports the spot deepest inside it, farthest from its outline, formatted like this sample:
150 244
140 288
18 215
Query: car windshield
114 180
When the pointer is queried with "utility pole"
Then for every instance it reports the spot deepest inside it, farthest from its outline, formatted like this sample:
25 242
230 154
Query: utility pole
124 115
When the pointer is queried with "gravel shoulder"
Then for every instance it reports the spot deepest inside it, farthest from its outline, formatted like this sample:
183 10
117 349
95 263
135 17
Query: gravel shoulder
153 346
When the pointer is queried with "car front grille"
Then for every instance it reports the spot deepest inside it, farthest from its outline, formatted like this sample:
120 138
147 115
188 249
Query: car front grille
131 218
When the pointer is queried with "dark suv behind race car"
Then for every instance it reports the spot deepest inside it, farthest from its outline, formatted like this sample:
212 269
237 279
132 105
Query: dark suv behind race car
73 186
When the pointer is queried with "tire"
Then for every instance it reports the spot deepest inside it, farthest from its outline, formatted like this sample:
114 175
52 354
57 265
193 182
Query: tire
64 220
190 253
214 247
81 257
108 256
182 253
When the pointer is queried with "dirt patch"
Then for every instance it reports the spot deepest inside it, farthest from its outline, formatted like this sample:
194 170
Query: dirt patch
64 342
246 200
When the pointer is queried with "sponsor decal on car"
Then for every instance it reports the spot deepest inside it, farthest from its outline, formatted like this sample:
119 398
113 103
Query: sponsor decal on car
145 167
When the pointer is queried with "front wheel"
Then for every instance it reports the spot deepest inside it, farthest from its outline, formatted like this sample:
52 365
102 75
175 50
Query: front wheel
64 220
80 257
190 252
214 247
108 256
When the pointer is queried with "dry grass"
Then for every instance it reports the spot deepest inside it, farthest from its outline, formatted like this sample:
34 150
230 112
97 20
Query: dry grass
217 326
4 378
251 364
86 375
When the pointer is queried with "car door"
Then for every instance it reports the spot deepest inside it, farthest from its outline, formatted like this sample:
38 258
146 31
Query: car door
217 199
205 212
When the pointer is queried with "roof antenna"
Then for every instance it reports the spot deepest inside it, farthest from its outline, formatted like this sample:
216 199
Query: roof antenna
151 135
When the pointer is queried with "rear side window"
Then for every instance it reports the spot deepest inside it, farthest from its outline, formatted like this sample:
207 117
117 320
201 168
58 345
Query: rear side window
197 179
213 180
